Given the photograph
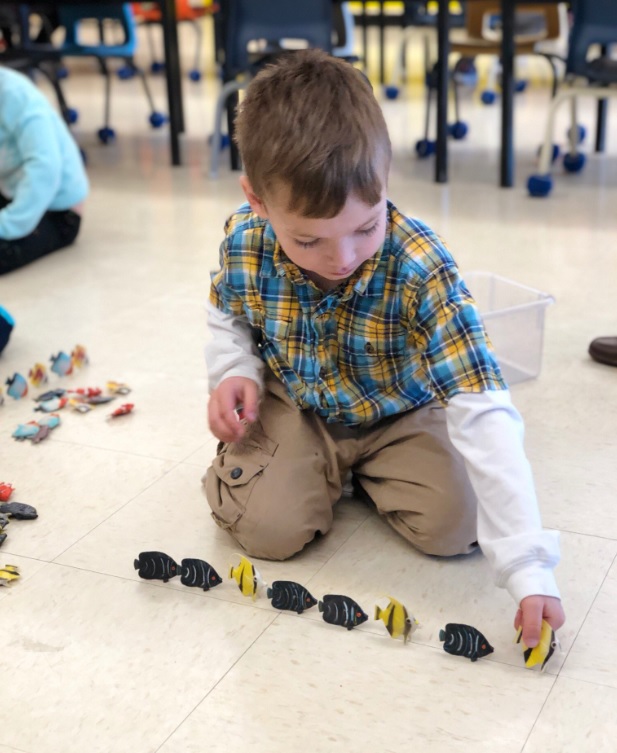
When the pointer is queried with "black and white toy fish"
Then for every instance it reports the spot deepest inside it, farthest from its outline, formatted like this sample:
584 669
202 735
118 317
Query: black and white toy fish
18 510
156 566
341 610
199 574
464 640
286 594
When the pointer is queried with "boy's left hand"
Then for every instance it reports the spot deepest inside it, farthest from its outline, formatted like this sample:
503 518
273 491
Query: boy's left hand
531 612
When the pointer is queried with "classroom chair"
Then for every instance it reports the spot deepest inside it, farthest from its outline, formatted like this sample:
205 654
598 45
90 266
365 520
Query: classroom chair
590 71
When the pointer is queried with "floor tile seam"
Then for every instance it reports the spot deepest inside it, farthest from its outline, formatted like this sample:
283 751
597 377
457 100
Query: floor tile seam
539 714
217 683
13 748
58 440
117 510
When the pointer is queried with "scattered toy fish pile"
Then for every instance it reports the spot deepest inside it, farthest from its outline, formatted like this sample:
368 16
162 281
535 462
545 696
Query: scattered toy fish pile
81 400
457 639
8 510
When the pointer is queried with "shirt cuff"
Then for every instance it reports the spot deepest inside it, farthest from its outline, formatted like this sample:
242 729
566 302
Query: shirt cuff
532 580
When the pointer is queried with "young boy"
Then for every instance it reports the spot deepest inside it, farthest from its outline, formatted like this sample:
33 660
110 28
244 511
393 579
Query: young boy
343 338
42 178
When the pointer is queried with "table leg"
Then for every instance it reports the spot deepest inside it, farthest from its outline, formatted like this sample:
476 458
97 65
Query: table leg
172 74
443 46
507 93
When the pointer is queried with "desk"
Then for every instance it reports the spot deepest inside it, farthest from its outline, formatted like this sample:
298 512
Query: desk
172 62
507 95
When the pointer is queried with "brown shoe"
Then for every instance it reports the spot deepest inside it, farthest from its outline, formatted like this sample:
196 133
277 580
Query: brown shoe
604 350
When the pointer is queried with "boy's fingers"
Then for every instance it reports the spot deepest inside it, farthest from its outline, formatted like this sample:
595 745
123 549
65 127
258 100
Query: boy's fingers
251 401
223 423
532 610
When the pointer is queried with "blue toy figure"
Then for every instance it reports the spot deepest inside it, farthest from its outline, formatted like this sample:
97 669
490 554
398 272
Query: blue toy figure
42 178
6 326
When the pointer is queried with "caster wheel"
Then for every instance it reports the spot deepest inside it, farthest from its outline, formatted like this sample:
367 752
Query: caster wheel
195 76
465 73
106 135
391 92
554 155
225 140
458 130
125 73
62 73
581 132
574 163
157 67
72 115
424 148
488 97
157 119
520 86
539 185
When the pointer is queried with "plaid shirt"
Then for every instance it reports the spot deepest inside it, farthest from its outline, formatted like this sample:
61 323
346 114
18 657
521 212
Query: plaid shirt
401 331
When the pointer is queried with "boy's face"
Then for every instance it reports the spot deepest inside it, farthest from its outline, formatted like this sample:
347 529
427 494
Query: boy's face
328 250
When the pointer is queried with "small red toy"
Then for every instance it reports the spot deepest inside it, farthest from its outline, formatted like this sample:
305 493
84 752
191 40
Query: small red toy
5 491
87 391
122 410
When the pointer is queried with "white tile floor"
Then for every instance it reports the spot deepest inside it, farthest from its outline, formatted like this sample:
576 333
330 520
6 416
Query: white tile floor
94 659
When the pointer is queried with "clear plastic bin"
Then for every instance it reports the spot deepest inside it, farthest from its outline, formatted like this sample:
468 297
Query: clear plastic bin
513 315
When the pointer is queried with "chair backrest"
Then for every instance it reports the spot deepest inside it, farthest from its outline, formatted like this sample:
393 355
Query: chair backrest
424 13
70 16
479 11
594 22
245 21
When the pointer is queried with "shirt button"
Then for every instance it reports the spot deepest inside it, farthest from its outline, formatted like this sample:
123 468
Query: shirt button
368 348
236 473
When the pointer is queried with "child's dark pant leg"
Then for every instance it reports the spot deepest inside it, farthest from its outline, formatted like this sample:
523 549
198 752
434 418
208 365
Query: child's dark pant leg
55 231
275 490
418 482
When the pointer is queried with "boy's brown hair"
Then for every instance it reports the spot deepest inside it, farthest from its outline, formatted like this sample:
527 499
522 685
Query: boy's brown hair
310 122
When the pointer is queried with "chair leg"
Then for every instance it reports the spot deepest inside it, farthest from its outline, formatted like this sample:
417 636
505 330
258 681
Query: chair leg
231 87
546 153
144 82
105 70
198 44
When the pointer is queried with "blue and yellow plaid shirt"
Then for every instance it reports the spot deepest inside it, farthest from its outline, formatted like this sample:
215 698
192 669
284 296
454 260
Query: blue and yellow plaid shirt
401 331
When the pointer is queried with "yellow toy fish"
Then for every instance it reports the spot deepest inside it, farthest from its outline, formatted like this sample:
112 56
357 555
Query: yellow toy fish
8 573
396 619
247 577
543 651
38 375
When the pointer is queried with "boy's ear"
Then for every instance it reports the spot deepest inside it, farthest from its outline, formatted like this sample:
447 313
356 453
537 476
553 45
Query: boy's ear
257 204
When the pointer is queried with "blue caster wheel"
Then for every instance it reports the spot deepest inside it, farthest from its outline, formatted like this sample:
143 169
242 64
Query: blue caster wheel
424 148
488 97
125 73
225 140
581 132
195 75
157 119
554 155
539 185
62 73
391 92
458 130
157 67
106 135
72 115
520 85
574 163
465 73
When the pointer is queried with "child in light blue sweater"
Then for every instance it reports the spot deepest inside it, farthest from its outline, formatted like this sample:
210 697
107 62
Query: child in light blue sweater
42 179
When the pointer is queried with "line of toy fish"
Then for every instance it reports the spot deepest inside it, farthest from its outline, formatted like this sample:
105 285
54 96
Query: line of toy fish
193 572
61 364
9 510
37 431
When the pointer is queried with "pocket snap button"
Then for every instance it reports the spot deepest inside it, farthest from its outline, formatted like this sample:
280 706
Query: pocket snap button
236 473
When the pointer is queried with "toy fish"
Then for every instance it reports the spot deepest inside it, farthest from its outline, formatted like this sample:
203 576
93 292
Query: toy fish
42 433
87 391
247 577
50 406
25 431
38 375
8 573
99 399
4 520
118 388
50 395
52 420
543 651
3 537
156 566
19 511
286 594
122 410
17 386
396 619
79 357
61 364
464 640
79 406
199 574
5 491
341 610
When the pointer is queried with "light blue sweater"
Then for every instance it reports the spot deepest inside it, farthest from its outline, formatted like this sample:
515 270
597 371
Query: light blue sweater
40 165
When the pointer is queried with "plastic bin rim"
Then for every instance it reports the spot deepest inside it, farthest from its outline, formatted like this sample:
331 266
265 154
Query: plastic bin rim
544 299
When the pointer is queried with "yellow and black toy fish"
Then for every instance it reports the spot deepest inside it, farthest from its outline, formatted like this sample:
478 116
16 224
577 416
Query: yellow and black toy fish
396 619
543 651
247 577
8 573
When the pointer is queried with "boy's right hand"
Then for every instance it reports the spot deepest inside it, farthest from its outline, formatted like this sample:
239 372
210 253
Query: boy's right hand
231 394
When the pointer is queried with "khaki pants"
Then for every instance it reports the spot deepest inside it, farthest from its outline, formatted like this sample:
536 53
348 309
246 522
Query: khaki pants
274 490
